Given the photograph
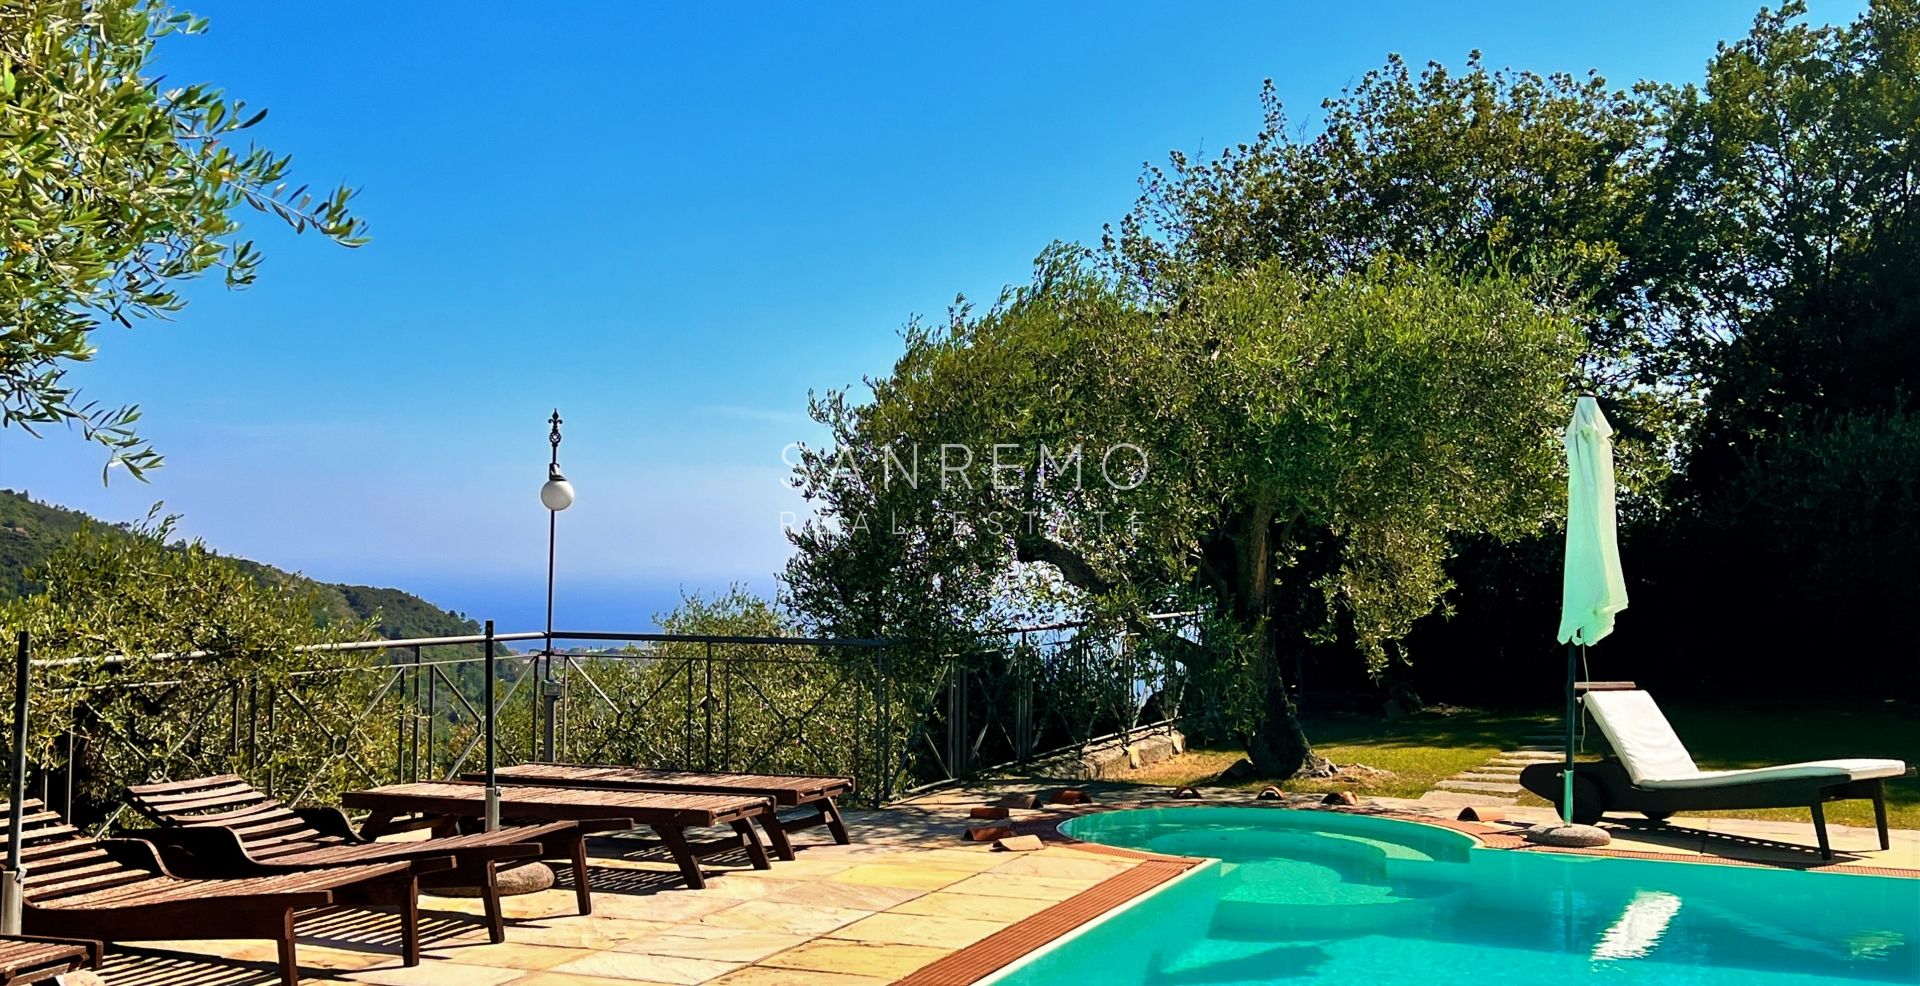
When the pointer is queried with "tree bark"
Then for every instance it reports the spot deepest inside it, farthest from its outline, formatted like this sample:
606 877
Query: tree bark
1276 742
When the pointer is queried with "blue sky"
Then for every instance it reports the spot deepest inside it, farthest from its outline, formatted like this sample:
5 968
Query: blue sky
672 222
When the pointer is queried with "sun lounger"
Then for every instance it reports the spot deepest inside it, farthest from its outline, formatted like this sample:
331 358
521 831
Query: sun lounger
1654 775
119 890
668 814
223 827
37 959
787 791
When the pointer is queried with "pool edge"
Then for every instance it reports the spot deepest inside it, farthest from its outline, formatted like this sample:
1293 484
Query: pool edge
1006 950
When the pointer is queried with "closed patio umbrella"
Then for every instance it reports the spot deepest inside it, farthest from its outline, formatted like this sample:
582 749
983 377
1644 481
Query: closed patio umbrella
1592 589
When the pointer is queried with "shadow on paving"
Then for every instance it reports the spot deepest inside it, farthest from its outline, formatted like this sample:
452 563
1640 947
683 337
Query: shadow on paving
374 933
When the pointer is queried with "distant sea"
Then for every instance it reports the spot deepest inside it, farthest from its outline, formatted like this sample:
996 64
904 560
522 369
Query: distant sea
515 605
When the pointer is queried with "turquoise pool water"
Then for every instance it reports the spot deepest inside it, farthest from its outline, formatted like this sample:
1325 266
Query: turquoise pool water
1304 896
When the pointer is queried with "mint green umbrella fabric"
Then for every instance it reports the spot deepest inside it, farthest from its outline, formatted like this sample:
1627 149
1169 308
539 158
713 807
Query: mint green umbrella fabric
1593 589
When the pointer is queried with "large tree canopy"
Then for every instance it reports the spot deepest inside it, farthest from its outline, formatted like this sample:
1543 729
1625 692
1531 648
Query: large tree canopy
1274 431
115 187
1741 254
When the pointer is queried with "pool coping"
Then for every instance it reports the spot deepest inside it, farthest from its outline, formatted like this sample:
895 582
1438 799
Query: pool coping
1027 938
1488 836
1030 936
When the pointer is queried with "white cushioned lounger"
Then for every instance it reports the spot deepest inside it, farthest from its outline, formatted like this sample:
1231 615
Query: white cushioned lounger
1657 760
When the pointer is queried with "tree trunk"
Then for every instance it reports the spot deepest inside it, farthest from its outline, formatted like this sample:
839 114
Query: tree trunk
1276 743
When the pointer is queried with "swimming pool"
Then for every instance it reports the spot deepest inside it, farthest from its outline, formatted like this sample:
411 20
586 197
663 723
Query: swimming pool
1309 896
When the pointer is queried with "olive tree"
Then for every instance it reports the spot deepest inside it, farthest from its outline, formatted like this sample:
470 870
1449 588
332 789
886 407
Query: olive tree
156 658
1272 438
117 186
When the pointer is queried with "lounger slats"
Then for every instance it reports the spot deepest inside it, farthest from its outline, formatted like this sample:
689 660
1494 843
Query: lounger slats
273 833
20 958
76 885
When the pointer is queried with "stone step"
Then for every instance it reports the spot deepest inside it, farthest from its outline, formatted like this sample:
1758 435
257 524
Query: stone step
1531 756
1542 748
1480 775
1461 799
1490 787
1511 769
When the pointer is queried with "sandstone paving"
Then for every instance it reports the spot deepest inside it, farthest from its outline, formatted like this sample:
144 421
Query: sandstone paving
858 915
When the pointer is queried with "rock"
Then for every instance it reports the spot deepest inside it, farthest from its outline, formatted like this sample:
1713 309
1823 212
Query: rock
1476 813
1268 793
1239 770
1019 801
1570 836
528 879
1071 796
1186 794
1178 742
988 833
84 977
1133 757
1018 843
1340 798
988 812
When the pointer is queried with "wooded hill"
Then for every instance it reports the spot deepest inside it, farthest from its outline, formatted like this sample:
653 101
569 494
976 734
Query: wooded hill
30 531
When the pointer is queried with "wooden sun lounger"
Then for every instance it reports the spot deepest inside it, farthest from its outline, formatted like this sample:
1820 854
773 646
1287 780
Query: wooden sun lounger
786 790
669 815
119 890
37 959
225 827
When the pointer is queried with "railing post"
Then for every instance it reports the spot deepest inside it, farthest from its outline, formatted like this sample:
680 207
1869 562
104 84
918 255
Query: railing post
550 693
883 722
13 882
492 737
686 724
859 715
1023 741
957 720
706 708
433 718
413 721
253 726
273 694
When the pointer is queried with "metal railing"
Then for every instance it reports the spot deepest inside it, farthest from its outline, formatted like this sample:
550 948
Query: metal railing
405 710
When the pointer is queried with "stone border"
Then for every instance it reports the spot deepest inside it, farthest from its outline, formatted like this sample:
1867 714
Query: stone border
1488 836
1022 938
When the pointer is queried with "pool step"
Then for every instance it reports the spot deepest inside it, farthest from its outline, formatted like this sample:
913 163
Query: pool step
1305 909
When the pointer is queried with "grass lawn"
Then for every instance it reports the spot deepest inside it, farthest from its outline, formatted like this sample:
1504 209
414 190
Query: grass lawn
1422 749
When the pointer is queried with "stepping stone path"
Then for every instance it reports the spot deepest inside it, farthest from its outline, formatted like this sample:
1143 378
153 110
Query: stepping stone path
1497 782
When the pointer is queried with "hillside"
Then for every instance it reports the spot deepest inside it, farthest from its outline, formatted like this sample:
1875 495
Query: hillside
30 531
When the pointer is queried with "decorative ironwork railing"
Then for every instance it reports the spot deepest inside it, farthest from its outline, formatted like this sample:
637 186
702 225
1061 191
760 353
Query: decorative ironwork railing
387 711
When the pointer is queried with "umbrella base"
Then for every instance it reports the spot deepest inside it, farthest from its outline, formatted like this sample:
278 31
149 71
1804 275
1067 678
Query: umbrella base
1568 836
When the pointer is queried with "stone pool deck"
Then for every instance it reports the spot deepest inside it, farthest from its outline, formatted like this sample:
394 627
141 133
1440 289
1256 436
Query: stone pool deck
909 901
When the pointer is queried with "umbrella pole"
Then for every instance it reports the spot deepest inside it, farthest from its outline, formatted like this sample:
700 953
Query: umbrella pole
1566 775
13 879
493 783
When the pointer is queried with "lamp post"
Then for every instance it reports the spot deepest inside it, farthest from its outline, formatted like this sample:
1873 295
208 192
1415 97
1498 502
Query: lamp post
556 495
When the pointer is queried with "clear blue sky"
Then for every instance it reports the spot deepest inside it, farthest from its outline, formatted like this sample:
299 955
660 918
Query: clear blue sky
672 223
